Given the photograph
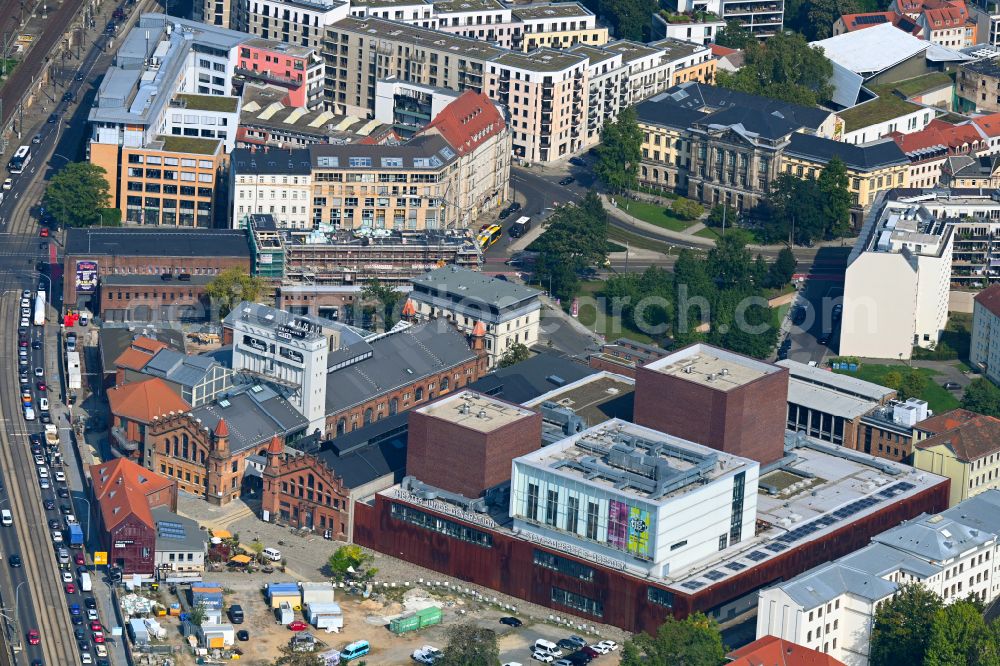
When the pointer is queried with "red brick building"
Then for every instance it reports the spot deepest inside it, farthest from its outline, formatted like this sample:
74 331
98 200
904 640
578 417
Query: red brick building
302 491
717 398
134 406
471 432
125 494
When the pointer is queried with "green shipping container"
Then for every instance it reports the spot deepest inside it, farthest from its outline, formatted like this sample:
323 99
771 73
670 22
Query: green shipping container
418 620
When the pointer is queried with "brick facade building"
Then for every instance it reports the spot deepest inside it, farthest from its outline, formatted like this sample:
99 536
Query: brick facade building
180 447
302 491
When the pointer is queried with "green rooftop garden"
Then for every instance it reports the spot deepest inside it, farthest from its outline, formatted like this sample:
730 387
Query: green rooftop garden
209 102
689 17
887 106
915 86
189 144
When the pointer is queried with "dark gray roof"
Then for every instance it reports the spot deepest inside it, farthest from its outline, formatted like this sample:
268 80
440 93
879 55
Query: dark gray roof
872 156
152 281
768 124
179 368
287 162
702 97
177 533
158 242
966 166
254 416
667 115
472 286
529 379
425 151
114 341
397 359
369 453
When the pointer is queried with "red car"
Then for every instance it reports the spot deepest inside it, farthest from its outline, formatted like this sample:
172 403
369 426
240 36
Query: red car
44 233
33 637
96 626
78 559
70 588
98 637
298 625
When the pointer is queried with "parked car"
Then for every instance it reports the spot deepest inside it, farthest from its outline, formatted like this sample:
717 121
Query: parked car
568 180
511 621
952 386
298 625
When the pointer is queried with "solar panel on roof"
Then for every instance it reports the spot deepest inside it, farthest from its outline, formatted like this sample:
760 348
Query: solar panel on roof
776 547
735 566
692 585
715 574
757 556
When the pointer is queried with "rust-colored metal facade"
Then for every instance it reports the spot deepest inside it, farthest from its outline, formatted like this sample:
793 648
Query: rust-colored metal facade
508 565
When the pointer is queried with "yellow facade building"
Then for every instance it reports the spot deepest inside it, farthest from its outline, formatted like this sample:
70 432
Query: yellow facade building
968 454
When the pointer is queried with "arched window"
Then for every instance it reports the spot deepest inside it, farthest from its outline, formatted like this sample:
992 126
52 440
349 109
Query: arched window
341 427
368 416
176 447
419 394
393 406
444 384
311 481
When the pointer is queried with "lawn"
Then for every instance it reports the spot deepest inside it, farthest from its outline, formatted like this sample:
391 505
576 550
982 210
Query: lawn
714 234
620 237
778 314
610 327
653 213
938 398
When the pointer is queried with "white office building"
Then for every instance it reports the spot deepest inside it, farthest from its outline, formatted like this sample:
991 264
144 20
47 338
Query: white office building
625 492
984 350
831 608
897 282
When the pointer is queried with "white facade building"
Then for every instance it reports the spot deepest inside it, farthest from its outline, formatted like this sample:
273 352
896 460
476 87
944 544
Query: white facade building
897 282
625 491
984 350
915 121
831 607
300 22
272 184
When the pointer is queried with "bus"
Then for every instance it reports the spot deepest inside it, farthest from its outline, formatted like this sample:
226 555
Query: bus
40 308
519 228
19 160
489 236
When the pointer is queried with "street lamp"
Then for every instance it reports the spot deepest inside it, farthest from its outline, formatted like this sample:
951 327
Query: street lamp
84 499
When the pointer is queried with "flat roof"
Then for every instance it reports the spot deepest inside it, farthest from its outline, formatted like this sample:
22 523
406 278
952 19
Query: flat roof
388 3
826 488
710 366
223 103
455 6
678 48
841 383
630 50
606 456
475 411
285 48
549 10
156 242
472 286
189 144
541 60
432 40
826 400
595 398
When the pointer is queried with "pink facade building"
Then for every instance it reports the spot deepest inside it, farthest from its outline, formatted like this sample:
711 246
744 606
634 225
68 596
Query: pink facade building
297 69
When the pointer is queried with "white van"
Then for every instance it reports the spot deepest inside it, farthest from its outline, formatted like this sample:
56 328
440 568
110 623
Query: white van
43 404
6 518
547 647
29 414
272 554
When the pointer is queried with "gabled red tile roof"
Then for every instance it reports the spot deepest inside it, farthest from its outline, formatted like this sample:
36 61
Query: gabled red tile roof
721 51
121 488
952 15
958 139
467 122
969 441
774 651
143 401
989 298
137 355
868 20
947 421
989 124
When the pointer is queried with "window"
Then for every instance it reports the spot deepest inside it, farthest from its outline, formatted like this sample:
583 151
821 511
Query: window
450 528
660 597
592 520
572 513
723 541
551 506
577 602
563 565
532 511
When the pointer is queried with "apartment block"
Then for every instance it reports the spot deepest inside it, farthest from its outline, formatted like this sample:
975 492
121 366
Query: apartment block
555 25
297 69
546 91
968 453
984 350
908 253
761 17
452 171
298 22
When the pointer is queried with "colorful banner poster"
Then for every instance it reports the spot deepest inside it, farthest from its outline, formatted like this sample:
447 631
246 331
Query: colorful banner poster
617 524
638 532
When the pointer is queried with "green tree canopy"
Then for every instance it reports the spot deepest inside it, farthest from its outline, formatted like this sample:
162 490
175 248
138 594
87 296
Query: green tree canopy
960 637
77 195
786 68
686 209
383 294
629 19
348 559
693 641
576 238
982 396
516 353
471 645
835 198
807 209
619 152
735 36
781 271
902 628
720 214
231 286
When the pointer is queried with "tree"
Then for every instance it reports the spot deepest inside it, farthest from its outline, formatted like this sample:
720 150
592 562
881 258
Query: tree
785 68
913 385
196 615
735 36
836 198
693 641
257 548
686 209
982 396
383 294
471 645
722 214
232 286
77 195
576 238
960 637
729 260
351 562
619 153
902 626
782 270
629 18
516 353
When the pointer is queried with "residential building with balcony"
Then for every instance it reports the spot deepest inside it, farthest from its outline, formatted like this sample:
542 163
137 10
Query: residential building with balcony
984 350
486 20
298 22
557 25
296 69
763 18
697 27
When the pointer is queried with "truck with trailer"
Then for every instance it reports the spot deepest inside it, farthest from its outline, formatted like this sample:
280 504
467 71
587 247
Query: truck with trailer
75 535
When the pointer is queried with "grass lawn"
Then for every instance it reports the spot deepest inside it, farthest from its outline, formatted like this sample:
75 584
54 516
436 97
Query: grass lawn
621 237
938 398
714 234
654 214
778 314
610 327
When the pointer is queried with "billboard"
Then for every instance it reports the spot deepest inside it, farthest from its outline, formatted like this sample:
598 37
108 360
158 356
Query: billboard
617 524
638 532
86 276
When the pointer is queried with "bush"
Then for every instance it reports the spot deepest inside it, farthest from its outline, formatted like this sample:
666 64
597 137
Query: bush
941 352
686 209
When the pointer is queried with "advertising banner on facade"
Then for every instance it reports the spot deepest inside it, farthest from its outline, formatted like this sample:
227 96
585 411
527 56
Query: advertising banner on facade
638 532
617 524
86 277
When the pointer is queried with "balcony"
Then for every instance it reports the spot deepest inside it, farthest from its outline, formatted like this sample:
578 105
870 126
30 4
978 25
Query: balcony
268 77
122 441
